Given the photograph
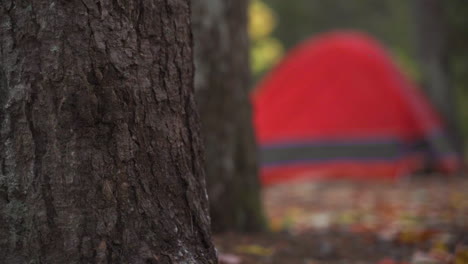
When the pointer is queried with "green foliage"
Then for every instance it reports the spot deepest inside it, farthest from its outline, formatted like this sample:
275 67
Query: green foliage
265 50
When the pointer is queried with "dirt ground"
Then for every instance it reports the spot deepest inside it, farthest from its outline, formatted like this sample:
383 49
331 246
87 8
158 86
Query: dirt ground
418 220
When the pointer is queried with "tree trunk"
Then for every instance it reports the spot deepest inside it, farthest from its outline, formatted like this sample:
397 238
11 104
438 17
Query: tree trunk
457 20
434 54
99 154
222 86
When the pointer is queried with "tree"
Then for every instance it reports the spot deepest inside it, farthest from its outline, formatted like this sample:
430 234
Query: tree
99 154
222 83
457 22
433 45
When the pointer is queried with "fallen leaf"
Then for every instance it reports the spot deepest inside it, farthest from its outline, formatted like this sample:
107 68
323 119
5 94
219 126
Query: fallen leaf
461 254
256 250
387 261
423 258
229 259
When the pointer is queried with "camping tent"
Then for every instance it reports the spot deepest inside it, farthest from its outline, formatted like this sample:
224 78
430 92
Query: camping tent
337 106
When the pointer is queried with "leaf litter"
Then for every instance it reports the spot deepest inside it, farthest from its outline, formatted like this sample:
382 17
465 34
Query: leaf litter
418 220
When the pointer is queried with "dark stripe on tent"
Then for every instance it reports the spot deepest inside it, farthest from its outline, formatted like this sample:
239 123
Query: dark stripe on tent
370 150
328 152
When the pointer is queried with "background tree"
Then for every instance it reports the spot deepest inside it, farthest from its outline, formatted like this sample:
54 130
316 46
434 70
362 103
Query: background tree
433 31
99 141
222 83
457 20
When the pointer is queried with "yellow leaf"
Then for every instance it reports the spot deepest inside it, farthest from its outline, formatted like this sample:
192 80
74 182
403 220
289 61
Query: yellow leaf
255 250
261 20
265 53
461 255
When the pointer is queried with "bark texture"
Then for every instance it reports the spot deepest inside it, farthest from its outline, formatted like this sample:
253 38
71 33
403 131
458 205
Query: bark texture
222 83
432 41
99 153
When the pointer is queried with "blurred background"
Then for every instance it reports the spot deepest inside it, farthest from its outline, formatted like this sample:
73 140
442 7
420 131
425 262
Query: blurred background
277 26
419 218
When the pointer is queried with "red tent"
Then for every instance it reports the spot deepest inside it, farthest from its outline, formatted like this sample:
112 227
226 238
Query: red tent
337 106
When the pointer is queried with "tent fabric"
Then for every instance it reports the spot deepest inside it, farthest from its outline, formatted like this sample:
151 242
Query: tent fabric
337 106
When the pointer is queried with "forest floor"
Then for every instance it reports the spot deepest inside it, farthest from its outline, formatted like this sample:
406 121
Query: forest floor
421 220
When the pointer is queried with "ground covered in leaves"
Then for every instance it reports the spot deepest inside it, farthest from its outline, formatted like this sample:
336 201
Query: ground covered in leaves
418 220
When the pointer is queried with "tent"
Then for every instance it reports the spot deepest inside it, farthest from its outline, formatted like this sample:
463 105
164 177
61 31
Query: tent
338 107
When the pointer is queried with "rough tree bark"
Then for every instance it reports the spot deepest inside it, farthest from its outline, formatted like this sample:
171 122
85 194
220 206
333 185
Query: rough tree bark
222 84
432 41
99 153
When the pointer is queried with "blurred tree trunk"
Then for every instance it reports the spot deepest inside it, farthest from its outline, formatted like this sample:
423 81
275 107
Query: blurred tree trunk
432 41
222 86
457 20
100 148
